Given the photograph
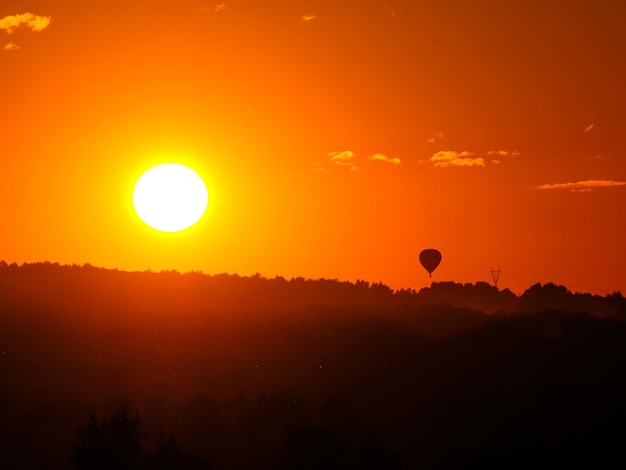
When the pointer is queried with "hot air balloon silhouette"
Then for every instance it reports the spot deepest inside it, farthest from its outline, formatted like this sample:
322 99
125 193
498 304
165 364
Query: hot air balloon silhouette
430 259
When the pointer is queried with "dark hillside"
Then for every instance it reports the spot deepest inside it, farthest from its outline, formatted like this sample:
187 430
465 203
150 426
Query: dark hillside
249 372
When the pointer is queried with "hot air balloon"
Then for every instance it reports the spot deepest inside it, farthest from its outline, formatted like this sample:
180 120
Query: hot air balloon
430 259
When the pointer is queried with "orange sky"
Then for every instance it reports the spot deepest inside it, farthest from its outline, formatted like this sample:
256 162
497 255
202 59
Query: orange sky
337 138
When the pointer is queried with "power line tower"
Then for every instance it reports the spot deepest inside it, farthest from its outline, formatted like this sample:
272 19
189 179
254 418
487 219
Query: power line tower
495 275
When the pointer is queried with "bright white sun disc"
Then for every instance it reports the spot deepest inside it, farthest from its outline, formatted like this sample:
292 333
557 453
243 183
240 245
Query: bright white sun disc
170 197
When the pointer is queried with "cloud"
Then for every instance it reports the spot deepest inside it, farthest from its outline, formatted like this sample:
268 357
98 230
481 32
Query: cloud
342 158
379 157
503 153
308 17
591 127
11 47
587 185
348 160
219 7
30 21
319 168
435 137
446 158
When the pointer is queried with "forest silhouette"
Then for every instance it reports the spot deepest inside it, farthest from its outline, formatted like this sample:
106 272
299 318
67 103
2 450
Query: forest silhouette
104 369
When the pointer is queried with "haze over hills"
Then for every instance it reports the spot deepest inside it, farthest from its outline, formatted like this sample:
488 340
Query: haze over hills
249 372
63 285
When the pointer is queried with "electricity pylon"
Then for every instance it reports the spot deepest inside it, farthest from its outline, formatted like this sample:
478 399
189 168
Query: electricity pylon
495 275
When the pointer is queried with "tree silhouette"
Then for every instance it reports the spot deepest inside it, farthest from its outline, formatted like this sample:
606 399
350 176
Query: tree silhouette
113 443
116 443
171 456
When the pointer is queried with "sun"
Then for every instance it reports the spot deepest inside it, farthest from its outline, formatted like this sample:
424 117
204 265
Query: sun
170 197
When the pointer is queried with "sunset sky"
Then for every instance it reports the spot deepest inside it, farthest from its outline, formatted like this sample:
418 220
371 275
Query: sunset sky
337 138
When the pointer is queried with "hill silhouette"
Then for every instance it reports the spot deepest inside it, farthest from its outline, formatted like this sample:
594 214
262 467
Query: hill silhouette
249 372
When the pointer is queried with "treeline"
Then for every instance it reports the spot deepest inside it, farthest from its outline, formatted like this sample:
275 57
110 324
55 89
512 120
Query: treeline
246 372
76 286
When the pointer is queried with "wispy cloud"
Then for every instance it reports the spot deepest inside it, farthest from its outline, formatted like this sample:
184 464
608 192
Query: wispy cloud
435 137
348 160
499 154
308 17
587 185
447 158
11 47
35 23
503 153
219 7
380 157
343 157
591 127
451 158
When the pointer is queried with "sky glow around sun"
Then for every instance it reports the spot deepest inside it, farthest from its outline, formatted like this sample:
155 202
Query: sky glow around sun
337 139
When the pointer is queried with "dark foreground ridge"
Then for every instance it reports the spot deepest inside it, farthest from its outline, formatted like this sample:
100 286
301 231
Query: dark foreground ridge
109 369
